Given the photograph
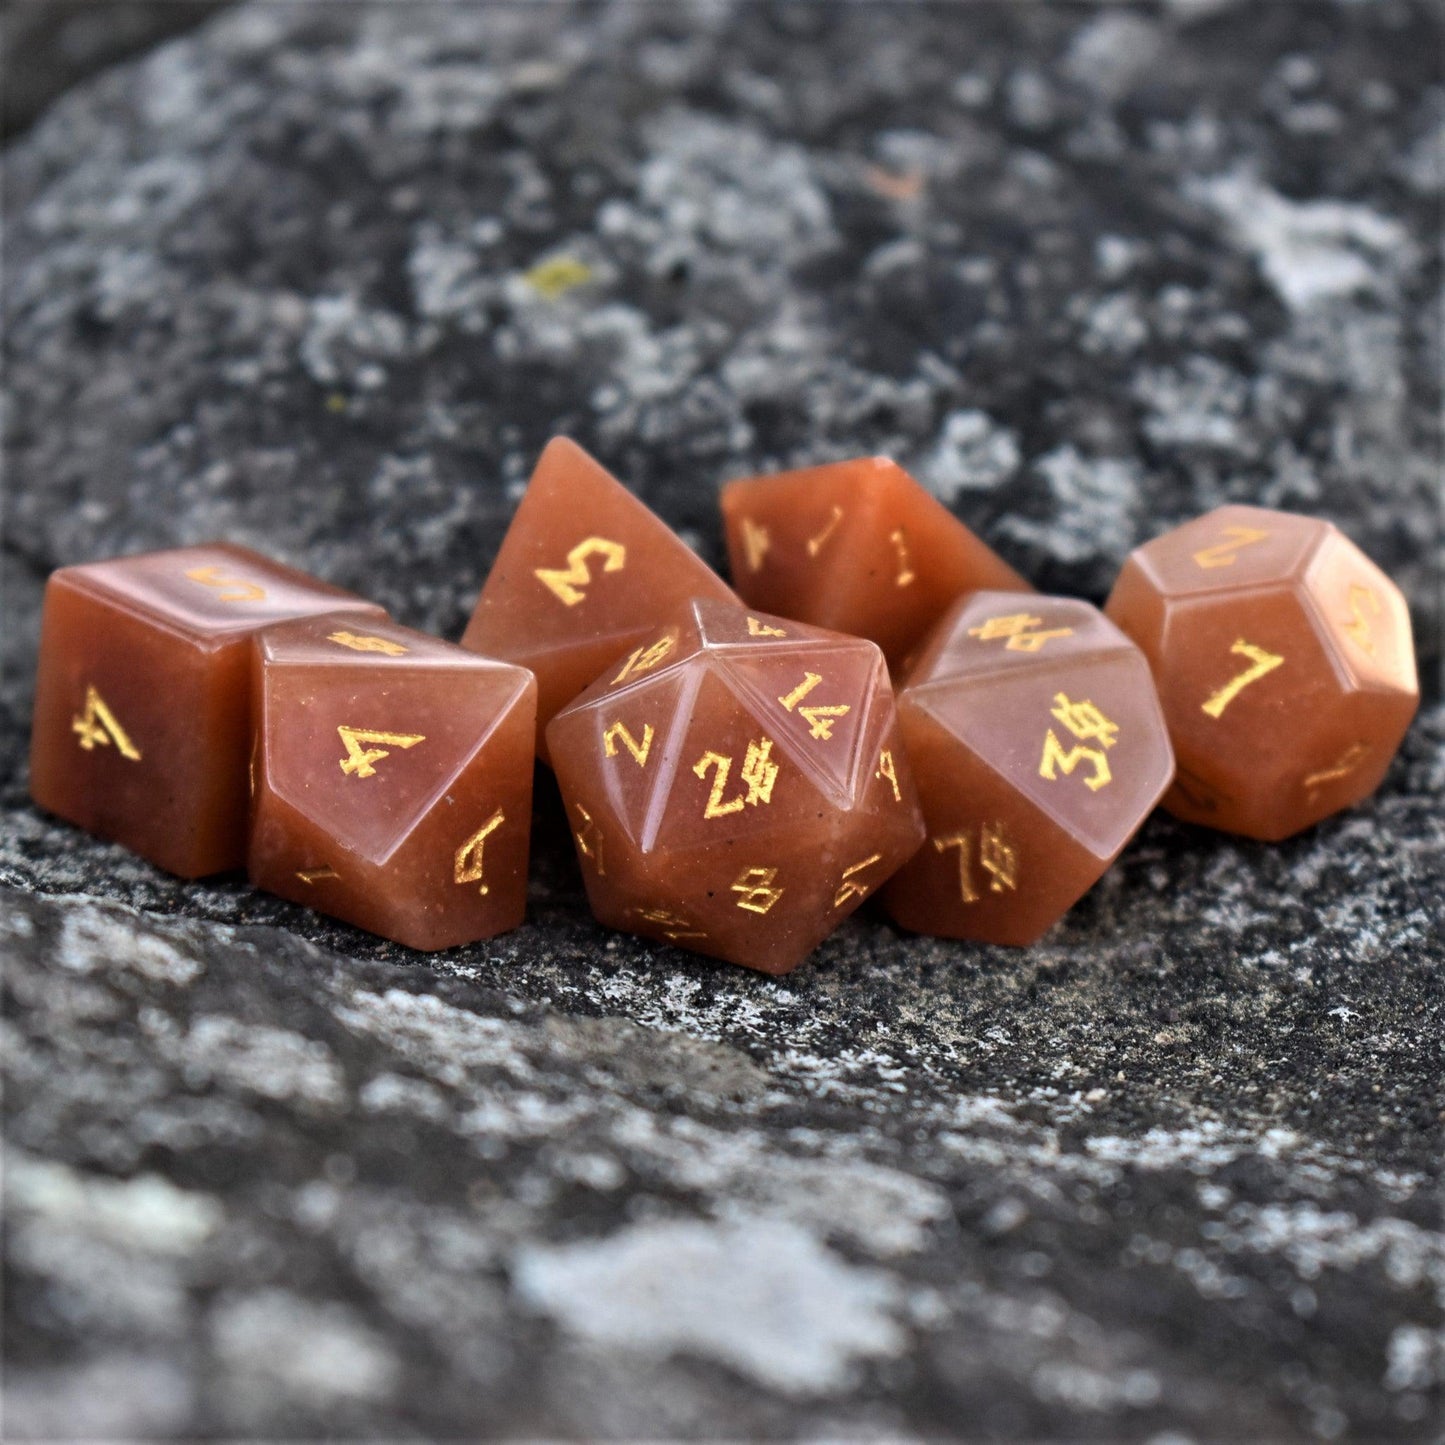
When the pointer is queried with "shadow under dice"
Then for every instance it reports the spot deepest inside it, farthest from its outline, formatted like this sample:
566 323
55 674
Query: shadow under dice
583 574
1039 748
142 714
1284 663
736 785
392 780
857 546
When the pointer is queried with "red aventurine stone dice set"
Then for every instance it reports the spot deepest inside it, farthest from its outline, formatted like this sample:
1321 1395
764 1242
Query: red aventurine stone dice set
739 772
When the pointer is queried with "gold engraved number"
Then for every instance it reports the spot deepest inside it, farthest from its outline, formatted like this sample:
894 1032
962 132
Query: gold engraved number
887 770
1262 661
1358 626
820 720
359 760
815 544
756 890
996 856
1226 553
755 544
850 887
311 876
589 840
211 577
1087 724
906 574
1020 630
567 582
618 733
1346 764
97 724
358 642
758 772
467 865
761 629
673 925
644 659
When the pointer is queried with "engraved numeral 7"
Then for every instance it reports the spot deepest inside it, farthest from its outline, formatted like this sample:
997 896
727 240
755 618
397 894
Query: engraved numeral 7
1262 661
566 583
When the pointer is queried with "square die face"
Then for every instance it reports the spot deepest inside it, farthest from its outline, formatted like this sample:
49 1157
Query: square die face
393 779
213 593
140 735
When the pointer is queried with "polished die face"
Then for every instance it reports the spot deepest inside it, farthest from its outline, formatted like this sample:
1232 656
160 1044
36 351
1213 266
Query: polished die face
1039 748
392 780
736 785
582 576
856 546
1284 664
142 712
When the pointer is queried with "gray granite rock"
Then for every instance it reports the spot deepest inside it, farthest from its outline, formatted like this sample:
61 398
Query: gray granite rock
1175 1173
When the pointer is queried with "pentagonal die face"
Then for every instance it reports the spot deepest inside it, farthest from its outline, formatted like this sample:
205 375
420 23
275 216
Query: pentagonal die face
1039 747
857 546
737 786
582 576
142 713
1284 663
392 780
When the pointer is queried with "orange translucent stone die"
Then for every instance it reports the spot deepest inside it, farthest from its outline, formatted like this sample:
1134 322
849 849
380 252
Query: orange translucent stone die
1284 664
1039 748
392 780
583 574
736 785
856 546
142 715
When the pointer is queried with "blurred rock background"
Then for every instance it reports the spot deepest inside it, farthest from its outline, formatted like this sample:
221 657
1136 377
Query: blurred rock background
323 279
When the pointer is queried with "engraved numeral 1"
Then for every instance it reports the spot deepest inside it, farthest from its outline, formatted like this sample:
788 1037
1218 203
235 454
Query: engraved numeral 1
906 574
1262 662
816 544
754 885
820 720
98 725
1362 599
1226 553
566 583
228 589
755 544
758 772
359 760
850 887
359 642
467 862
618 733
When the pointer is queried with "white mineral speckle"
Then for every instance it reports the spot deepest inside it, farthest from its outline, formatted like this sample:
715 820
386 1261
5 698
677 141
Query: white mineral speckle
763 1297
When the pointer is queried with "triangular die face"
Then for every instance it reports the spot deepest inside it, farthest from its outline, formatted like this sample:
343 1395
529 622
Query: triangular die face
635 740
725 626
732 780
582 559
815 699
365 757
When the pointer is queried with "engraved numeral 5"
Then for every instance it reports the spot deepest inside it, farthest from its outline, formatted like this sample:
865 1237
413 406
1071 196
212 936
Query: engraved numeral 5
212 577
566 583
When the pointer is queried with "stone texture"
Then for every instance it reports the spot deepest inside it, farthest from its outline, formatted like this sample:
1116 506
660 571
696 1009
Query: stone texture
323 279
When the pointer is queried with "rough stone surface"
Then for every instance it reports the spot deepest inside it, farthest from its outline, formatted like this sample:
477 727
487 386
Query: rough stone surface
1172 1174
